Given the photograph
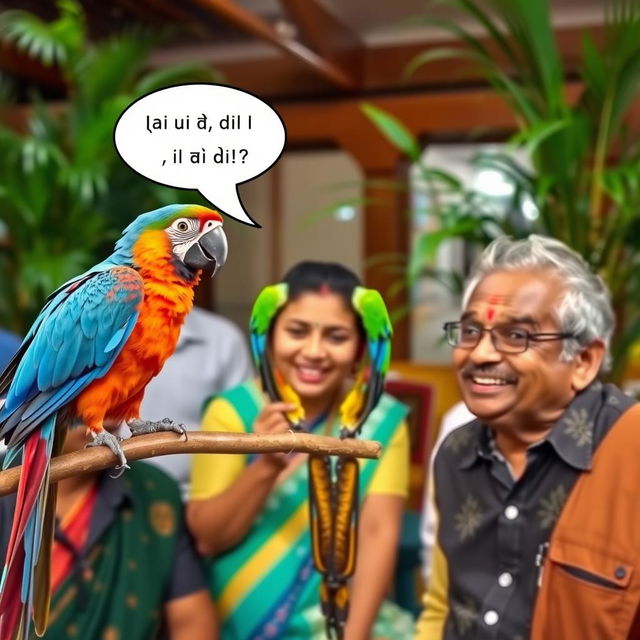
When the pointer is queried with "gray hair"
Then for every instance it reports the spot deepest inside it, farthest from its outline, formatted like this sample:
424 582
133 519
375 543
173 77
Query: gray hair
585 310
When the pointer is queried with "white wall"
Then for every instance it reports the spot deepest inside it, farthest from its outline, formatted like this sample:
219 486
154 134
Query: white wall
308 184
312 182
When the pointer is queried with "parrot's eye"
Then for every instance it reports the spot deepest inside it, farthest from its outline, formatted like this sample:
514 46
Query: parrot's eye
182 225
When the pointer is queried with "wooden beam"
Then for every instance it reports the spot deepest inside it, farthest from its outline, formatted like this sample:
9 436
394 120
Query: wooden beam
256 26
15 63
284 77
327 35
386 231
342 123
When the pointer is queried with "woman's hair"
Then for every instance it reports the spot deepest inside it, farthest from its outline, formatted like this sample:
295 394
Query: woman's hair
324 277
585 309
316 277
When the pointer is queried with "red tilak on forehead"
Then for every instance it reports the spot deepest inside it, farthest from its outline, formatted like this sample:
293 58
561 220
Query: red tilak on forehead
493 299
324 289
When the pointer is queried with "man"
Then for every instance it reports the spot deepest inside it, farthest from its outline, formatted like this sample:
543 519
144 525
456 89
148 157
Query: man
521 549
123 565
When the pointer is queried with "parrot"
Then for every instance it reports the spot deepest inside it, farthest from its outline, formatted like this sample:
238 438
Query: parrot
333 490
97 342
372 310
269 301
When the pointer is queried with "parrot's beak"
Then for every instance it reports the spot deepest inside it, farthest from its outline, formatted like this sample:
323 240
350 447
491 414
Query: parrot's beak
209 253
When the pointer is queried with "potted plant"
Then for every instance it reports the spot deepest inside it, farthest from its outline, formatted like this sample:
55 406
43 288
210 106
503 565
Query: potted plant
584 173
64 193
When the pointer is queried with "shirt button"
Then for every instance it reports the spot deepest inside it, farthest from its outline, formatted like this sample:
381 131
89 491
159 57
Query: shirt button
620 573
491 617
505 579
511 512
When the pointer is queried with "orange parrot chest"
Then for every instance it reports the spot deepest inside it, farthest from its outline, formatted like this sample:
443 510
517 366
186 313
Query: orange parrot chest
118 394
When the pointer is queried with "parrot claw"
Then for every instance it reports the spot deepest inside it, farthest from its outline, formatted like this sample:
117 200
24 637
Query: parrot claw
345 432
120 468
106 439
139 427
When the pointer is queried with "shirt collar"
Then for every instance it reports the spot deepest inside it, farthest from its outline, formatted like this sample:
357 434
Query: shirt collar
116 490
571 436
114 493
477 446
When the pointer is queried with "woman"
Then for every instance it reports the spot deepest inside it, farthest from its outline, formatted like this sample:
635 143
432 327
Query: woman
123 564
252 512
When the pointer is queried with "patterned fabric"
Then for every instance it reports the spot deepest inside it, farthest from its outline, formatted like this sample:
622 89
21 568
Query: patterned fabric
493 529
126 573
136 557
265 587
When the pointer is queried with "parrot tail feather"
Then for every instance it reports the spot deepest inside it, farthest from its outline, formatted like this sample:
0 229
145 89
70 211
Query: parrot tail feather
24 568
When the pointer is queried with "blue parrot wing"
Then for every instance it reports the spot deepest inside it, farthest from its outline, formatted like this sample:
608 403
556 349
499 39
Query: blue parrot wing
75 340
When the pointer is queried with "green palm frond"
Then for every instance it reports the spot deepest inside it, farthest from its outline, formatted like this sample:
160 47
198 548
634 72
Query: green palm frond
57 42
583 179
111 67
63 174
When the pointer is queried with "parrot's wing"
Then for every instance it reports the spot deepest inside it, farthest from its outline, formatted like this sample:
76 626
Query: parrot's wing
51 303
75 340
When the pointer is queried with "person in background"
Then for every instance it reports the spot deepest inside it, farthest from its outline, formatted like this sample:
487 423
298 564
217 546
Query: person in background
528 545
457 416
123 563
9 343
251 512
211 356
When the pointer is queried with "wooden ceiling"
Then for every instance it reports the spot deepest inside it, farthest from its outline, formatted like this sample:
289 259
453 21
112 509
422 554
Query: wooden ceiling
291 50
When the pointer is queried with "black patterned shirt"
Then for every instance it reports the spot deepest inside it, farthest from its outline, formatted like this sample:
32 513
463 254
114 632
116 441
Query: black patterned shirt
493 530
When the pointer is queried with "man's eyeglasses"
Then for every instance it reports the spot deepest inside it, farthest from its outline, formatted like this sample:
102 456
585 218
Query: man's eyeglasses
505 338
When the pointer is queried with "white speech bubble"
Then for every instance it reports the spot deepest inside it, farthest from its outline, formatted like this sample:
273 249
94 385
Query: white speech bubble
207 137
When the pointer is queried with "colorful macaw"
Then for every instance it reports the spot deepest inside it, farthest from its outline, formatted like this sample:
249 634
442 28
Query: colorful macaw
378 329
333 492
269 301
97 342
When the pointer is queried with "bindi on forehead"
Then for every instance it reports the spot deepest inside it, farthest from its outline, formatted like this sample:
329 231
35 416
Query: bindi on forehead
492 301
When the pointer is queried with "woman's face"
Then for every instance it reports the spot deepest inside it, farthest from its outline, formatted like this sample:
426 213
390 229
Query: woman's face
315 344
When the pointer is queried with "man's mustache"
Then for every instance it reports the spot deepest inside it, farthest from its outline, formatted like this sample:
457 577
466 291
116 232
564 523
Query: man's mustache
488 371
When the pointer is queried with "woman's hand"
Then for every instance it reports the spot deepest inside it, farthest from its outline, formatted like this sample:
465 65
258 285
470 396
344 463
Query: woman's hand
270 420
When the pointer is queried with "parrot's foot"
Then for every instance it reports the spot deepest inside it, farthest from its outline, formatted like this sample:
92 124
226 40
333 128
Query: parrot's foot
345 432
106 439
139 427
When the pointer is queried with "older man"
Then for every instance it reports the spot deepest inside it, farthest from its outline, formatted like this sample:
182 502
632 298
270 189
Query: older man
537 534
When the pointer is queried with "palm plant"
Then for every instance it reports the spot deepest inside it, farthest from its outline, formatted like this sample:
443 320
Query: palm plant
584 176
64 192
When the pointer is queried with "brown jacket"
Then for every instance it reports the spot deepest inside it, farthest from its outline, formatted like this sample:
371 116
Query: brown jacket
590 576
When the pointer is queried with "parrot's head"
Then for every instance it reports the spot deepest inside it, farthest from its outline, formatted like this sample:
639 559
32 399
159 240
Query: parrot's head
189 238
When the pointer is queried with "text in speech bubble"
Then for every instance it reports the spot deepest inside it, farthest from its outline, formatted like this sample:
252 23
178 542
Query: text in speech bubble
201 136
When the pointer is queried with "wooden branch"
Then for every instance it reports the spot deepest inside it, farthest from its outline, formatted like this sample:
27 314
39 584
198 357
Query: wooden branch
162 444
257 26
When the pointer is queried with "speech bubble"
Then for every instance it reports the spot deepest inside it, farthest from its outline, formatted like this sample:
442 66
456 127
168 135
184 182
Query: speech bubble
207 137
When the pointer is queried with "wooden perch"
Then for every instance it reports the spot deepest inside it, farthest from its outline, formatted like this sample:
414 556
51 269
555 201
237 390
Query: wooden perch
162 444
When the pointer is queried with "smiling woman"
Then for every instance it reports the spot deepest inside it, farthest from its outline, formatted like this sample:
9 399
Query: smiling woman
252 513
